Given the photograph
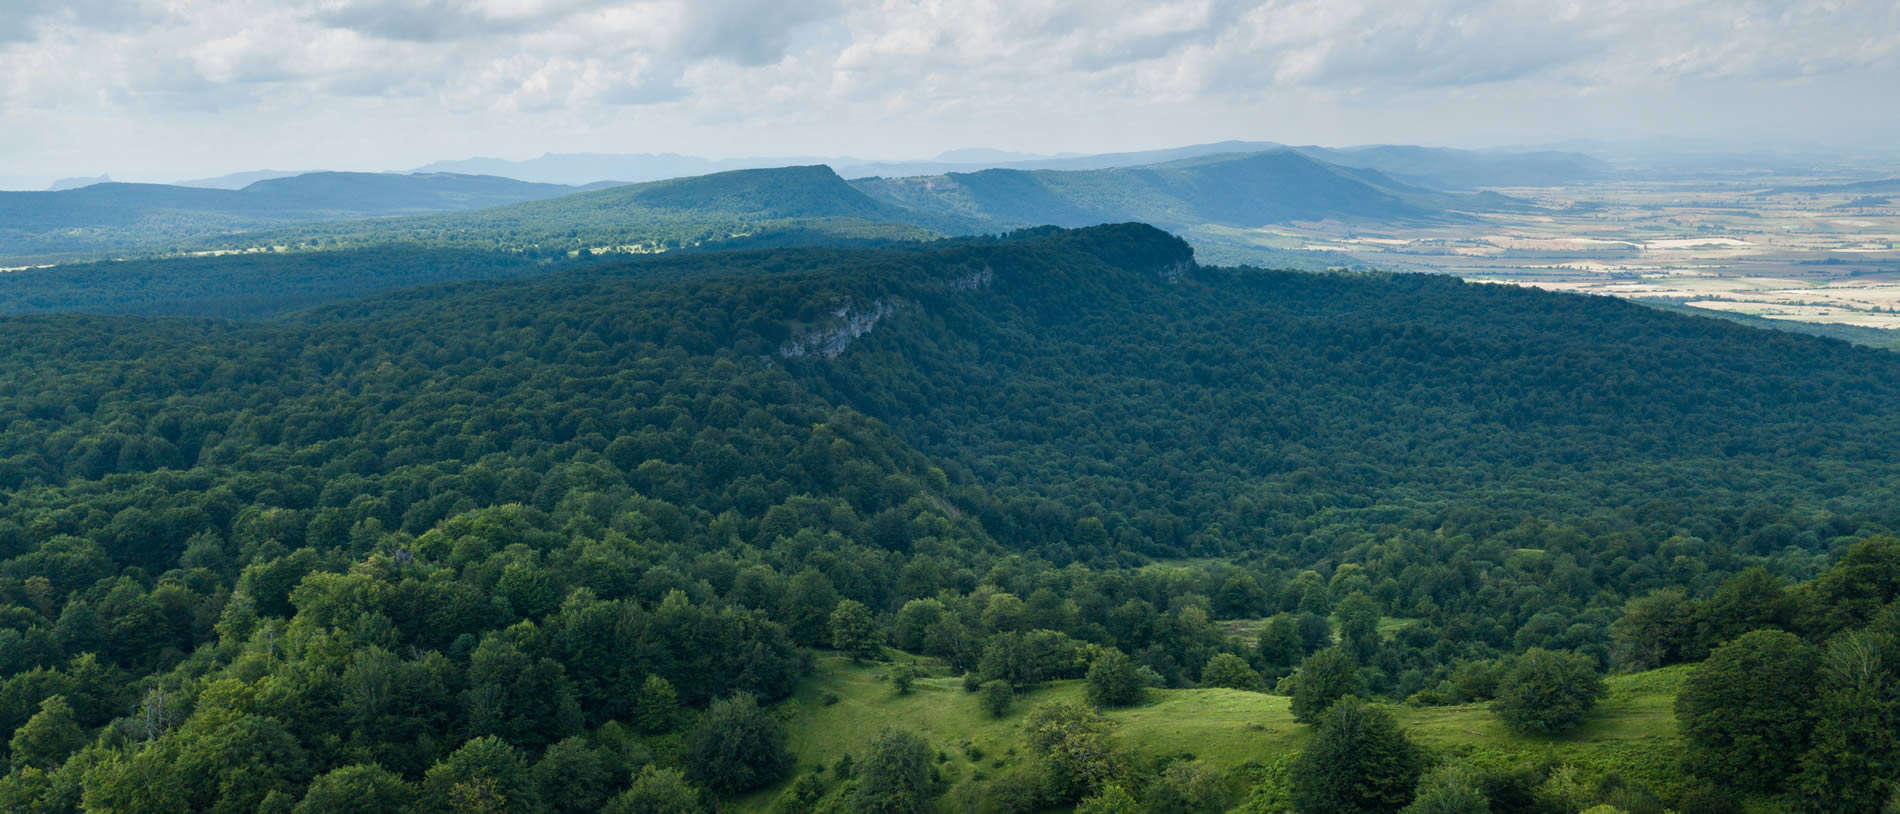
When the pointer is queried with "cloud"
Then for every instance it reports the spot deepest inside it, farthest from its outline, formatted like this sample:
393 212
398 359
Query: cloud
24 20
437 21
917 66
572 53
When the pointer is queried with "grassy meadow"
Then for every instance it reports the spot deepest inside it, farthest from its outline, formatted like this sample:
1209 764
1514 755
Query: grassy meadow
843 707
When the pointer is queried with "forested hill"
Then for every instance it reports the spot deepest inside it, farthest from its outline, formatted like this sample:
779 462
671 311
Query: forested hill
516 539
1245 190
788 205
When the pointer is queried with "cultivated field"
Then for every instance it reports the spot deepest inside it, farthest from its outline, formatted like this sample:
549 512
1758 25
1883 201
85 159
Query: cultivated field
1761 246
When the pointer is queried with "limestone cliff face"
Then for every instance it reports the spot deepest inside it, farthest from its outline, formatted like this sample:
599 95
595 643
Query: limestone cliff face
974 281
848 322
1126 258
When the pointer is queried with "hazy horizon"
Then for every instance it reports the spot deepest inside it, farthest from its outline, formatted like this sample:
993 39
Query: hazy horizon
149 91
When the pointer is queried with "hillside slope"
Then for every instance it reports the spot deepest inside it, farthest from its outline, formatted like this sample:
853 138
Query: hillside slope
1243 190
1633 735
506 533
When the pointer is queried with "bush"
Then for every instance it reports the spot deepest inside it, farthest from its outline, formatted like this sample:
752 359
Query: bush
997 696
802 796
1187 787
903 676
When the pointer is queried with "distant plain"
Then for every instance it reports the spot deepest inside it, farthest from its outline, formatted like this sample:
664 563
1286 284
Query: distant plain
1782 248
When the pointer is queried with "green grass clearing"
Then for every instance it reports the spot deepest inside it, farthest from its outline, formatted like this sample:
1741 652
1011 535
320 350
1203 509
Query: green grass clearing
1632 732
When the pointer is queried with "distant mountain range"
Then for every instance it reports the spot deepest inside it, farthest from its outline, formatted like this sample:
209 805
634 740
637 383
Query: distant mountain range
814 204
240 180
1430 166
1230 185
77 183
63 224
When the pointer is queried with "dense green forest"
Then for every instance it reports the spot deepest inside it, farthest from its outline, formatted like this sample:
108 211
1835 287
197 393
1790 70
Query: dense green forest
246 286
586 540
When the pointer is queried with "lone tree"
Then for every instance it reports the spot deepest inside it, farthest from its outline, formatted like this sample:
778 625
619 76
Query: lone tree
855 632
1745 713
737 747
895 777
1548 692
1114 681
1358 761
1324 677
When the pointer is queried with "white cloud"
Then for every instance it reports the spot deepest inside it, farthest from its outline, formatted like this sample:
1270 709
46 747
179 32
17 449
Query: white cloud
898 69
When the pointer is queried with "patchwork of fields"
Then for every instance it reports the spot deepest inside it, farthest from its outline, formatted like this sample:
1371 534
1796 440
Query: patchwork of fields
1777 248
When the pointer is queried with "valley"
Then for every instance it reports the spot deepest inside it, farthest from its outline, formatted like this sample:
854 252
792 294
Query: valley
1768 247
950 407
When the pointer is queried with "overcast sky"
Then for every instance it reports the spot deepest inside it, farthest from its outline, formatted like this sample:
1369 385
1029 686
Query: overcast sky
171 89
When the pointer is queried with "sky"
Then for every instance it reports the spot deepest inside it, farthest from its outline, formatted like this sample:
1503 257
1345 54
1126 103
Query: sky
163 90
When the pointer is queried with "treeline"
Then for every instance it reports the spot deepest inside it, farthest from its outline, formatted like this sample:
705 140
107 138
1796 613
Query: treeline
461 546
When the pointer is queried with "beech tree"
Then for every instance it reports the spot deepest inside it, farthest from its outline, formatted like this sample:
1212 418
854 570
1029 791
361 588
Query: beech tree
1854 749
855 632
49 736
895 775
1548 692
1114 681
1230 671
354 788
657 790
1324 678
1746 712
996 697
736 747
1358 761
